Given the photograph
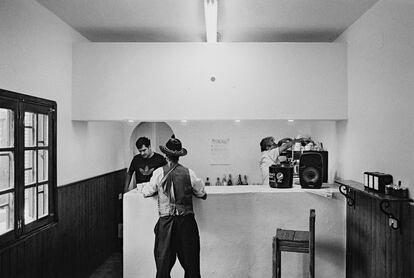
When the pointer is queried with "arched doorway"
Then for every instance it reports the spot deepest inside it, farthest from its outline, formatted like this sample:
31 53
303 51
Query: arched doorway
157 132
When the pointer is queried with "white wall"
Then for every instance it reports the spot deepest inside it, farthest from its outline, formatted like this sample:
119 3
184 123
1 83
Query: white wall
36 59
172 81
244 141
378 135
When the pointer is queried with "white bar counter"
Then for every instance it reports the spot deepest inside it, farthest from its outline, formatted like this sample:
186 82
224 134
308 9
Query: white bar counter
236 226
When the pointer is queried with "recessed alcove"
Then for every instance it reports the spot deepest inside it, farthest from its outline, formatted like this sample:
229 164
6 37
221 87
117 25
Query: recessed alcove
241 151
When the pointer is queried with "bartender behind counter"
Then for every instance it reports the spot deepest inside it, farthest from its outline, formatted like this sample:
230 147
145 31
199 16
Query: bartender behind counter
270 155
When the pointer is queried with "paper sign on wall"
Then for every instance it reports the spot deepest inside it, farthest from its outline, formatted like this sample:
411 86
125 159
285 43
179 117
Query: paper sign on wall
220 152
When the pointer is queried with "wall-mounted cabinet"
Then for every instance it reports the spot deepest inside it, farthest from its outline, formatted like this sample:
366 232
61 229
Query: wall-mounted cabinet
373 248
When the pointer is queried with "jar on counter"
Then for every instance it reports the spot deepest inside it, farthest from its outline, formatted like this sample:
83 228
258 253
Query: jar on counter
389 188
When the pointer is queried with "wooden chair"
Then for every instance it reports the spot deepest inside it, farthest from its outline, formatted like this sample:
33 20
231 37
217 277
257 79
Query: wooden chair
295 241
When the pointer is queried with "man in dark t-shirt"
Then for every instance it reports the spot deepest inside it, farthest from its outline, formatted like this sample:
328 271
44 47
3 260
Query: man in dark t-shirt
144 163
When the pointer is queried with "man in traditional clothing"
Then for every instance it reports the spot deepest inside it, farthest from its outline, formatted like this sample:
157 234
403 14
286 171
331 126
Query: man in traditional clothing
176 232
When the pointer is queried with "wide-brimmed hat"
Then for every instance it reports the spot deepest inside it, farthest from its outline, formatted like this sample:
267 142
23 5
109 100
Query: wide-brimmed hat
173 147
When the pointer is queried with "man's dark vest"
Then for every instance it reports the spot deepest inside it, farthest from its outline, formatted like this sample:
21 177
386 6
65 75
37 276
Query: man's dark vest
176 195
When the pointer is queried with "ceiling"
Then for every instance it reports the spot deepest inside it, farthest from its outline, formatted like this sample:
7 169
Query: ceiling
183 20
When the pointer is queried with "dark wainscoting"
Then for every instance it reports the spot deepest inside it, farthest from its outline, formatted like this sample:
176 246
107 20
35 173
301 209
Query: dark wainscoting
373 248
86 234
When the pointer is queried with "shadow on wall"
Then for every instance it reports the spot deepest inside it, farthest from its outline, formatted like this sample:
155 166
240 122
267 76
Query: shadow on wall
329 250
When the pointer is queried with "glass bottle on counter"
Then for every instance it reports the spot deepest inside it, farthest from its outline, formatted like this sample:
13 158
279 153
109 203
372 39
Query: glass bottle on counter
239 180
224 181
207 183
245 182
218 182
230 181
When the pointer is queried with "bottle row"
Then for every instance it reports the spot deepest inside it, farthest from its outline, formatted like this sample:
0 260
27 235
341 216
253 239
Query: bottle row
228 181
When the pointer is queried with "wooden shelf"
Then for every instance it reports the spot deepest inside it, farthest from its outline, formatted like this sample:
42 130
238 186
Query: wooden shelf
349 187
377 195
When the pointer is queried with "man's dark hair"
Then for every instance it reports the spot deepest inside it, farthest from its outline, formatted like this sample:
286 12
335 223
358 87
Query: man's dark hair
172 158
143 141
266 142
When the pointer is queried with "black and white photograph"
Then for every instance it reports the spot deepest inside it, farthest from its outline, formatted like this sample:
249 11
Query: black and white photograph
206 139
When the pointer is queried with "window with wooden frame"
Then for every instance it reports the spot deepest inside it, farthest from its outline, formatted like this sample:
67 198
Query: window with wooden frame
28 189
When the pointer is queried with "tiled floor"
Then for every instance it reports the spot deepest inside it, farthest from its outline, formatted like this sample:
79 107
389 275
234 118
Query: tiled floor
111 268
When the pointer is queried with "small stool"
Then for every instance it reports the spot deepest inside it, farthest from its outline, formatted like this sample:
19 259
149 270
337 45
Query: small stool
295 241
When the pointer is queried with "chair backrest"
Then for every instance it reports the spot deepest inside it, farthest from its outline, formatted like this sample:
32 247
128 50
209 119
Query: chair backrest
312 217
312 243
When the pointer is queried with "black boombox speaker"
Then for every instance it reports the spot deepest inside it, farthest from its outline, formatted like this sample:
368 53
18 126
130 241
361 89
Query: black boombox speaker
280 176
324 164
311 170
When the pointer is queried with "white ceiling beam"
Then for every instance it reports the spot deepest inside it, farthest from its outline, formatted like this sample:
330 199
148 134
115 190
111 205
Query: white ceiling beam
210 15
